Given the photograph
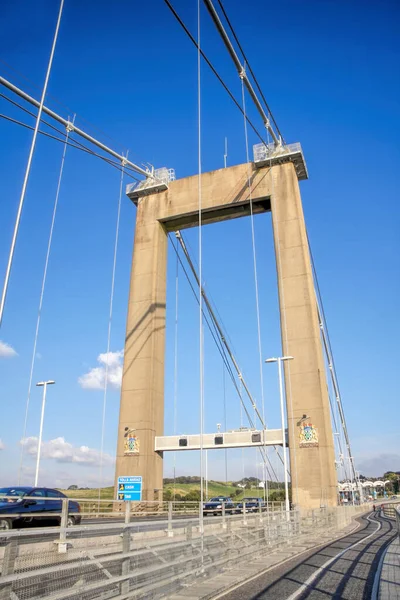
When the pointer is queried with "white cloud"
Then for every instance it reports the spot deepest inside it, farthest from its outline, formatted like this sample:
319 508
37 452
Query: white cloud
2 446
64 452
6 351
95 379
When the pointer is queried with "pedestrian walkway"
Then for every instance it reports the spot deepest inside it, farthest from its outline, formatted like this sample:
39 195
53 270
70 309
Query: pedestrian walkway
212 587
389 588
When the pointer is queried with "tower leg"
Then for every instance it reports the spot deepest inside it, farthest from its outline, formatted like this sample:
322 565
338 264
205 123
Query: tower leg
142 394
312 462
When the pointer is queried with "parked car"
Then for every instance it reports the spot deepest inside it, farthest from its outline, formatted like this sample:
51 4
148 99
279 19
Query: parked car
214 506
393 497
252 504
19 505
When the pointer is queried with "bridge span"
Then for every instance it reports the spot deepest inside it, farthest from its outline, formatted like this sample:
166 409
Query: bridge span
334 551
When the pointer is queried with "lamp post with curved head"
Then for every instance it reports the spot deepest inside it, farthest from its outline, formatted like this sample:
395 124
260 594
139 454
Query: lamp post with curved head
279 360
43 384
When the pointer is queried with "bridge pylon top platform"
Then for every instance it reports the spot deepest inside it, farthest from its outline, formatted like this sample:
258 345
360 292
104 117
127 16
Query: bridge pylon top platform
270 154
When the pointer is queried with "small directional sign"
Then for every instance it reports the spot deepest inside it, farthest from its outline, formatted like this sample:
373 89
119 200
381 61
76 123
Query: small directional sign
130 489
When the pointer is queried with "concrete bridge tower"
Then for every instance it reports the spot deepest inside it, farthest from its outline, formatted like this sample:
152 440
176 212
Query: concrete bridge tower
226 195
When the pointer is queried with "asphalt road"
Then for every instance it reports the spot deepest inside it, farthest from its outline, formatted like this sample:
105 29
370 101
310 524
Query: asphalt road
337 570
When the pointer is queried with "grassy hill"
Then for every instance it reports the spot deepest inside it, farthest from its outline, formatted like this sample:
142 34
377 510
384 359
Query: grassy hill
106 493
215 488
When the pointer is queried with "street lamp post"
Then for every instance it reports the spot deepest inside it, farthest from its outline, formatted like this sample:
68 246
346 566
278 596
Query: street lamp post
279 360
43 384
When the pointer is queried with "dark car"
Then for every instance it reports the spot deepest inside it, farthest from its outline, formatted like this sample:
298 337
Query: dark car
19 506
214 506
252 504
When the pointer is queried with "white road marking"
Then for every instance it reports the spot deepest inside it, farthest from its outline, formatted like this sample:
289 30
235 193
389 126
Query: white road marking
377 579
275 566
312 577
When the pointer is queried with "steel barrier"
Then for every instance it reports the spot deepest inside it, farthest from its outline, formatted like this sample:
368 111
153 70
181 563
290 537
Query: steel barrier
392 511
147 556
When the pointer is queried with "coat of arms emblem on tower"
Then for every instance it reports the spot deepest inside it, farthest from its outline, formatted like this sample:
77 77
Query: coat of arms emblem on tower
131 442
308 436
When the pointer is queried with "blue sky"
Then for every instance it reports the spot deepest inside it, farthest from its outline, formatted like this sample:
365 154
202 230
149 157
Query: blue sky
330 73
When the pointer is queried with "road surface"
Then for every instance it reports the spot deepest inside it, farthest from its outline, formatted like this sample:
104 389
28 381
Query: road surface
345 569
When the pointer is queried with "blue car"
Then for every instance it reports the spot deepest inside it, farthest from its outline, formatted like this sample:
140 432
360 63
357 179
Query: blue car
38 506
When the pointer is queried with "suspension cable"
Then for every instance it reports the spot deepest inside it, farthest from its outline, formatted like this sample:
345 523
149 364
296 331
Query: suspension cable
329 356
223 339
250 69
110 315
28 166
222 351
218 344
241 70
77 130
76 143
72 144
39 314
253 243
57 101
192 39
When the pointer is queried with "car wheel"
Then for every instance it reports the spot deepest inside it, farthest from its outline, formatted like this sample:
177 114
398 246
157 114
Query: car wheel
5 524
70 521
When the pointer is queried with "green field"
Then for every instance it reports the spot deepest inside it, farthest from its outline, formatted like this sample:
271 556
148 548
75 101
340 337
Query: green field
106 493
215 488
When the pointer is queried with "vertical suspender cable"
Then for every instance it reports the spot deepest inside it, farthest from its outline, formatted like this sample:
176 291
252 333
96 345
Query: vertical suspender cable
28 167
201 344
176 357
46 264
224 345
241 425
255 269
254 256
225 422
110 315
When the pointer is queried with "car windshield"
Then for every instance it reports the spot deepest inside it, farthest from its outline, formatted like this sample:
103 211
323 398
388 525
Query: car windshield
16 493
220 499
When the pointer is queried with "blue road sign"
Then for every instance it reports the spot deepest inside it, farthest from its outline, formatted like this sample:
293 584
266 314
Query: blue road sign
129 489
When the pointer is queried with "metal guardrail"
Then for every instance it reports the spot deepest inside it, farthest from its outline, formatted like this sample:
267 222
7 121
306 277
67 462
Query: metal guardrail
392 511
94 508
148 557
